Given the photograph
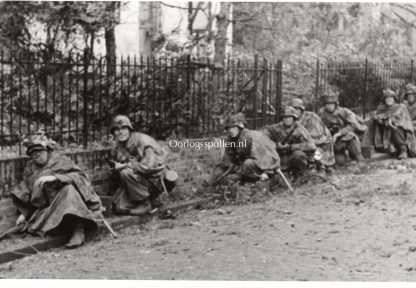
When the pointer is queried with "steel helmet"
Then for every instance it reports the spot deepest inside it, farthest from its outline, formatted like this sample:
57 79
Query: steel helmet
121 121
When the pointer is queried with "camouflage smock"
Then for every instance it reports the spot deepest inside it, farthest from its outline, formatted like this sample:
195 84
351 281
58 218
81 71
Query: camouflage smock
46 206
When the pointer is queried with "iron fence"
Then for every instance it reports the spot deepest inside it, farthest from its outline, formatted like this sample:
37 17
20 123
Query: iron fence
360 84
74 99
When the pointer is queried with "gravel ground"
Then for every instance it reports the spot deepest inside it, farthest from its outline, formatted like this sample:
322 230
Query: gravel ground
359 226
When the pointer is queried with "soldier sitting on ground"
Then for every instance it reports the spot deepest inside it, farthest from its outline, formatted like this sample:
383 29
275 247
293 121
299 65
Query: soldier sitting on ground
293 143
55 196
320 134
410 102
140 173
249 154
345 126
394 129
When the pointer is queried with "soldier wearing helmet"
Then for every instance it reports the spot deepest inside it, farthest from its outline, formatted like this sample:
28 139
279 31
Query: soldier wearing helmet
410 102
345 126
140 172
248 153
393 131
55 195
293 142
324 155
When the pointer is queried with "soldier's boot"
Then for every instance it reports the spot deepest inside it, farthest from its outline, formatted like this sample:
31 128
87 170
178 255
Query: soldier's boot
354 149
155 204
78 237
359 157
403 152
399 139
141 209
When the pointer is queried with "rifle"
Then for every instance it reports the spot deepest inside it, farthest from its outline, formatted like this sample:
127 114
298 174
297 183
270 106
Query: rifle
13 230
295 125
290 133
222 176
285 180
112 163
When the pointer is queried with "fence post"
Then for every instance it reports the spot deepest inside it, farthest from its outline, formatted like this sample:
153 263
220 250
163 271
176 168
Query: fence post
255 87
278 103
315 104
365 88
188 92
264 92
85 102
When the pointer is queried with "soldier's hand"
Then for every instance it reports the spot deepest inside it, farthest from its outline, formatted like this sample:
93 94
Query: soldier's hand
336 136
120 166
20 220
282 147
264 177
42 180
391 124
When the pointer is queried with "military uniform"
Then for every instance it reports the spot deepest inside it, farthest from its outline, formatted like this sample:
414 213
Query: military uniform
319 133
251 155
67 202
394 129
143 178
411 106
294 144
347 125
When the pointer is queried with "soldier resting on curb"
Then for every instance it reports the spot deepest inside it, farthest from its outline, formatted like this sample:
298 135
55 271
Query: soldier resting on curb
393 131
320 134
410 102
55 196
345 126
293 143
250 154
139 173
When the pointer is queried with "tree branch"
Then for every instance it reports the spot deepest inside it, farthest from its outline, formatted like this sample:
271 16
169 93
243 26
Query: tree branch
178 7
404 8
198 7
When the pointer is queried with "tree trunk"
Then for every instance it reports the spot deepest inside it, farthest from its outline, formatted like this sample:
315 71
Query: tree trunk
221 38
110 38
110 49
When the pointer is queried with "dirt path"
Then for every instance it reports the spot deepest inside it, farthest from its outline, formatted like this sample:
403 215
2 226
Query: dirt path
361 226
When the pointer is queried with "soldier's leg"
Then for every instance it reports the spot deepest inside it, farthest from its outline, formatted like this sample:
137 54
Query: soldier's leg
298 163
250 170
136 188
354 149
398 137
339 152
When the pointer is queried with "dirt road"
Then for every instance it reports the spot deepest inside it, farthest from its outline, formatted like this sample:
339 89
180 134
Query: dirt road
359 226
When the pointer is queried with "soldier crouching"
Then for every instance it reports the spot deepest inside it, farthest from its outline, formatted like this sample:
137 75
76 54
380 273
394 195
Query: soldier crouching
345 126
250 154
140 173
393 131
293 142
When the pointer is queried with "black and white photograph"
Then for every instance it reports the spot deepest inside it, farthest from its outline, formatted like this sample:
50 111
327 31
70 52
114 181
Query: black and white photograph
176 141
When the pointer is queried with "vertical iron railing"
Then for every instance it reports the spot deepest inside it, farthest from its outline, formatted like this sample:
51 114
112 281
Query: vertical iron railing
360 84
74 98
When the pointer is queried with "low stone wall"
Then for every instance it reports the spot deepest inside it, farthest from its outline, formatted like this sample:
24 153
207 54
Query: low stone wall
192 166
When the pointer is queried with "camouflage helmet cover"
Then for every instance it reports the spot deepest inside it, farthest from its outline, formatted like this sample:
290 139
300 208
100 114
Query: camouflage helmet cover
237 120
330 98
410 89
290 111
121 121
297 103
37 142
389 93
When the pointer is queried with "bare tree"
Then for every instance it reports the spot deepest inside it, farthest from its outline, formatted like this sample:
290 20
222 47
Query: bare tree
221 37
